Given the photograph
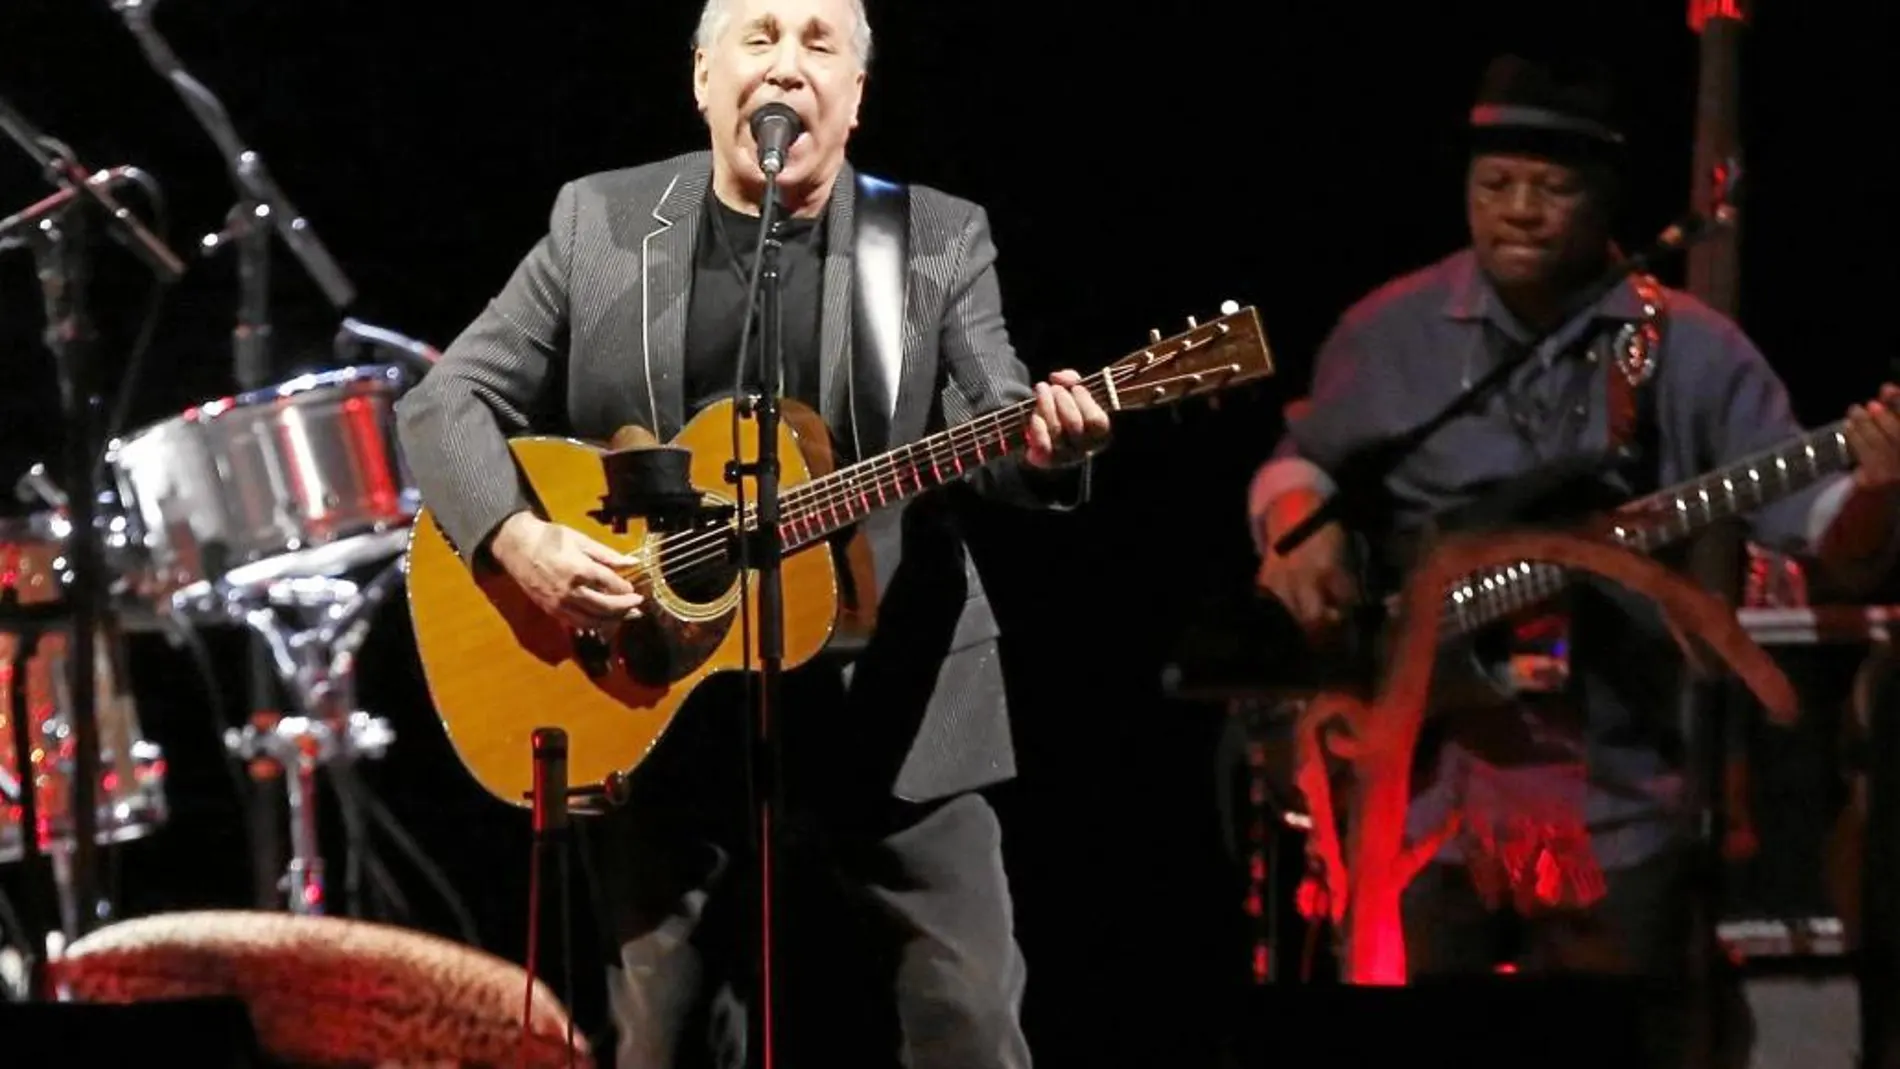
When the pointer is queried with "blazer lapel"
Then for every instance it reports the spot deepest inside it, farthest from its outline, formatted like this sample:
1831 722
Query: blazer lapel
834 332
666 279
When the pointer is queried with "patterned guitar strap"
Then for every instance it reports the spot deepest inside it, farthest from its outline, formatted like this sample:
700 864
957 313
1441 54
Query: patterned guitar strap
1541 859
1634 351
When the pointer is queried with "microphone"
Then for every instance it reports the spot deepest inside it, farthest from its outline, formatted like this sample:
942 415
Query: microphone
60 168
1725 188
550 781
49 205
775 126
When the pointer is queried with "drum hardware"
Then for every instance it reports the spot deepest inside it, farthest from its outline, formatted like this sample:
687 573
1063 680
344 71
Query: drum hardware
233 502
303 478
35 647
44 535
355 334
35 702
251 510
60 245
315 663
130 794
37 486
261 208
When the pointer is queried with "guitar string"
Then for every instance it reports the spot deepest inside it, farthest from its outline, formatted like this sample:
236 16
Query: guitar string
1515 587
840 487
1653 515
846 486
700 548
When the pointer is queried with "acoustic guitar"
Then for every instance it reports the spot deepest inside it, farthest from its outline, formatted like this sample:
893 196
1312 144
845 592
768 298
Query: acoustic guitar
497 667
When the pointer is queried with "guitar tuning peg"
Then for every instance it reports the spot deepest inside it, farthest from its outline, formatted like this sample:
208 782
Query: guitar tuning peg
1228 308
1191 323
1153 335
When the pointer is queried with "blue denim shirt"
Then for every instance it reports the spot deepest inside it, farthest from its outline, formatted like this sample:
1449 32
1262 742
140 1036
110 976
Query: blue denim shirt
1400 355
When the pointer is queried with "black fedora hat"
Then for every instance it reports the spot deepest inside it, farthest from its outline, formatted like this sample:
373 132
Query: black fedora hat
1562 107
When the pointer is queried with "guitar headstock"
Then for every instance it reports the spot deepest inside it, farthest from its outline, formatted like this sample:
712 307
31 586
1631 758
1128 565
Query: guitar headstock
1204 359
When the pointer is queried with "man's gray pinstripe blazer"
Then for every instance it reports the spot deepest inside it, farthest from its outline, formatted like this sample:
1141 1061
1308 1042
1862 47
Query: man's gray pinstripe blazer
588 335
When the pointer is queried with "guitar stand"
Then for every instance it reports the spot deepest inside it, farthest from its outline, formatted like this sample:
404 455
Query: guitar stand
551 826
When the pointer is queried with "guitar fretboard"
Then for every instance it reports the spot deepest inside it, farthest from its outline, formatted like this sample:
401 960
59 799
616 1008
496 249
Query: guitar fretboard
1652 522
814 510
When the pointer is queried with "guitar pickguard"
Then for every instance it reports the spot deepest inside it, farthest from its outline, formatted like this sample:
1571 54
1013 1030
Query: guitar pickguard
692 600
660 648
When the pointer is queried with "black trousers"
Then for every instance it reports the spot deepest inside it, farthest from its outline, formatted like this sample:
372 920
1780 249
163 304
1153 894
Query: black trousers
893 933
1642 929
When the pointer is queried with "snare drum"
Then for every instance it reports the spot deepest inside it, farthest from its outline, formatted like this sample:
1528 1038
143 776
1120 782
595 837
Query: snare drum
129 798
297 480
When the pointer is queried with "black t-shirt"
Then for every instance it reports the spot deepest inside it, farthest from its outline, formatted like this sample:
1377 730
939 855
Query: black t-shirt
716 314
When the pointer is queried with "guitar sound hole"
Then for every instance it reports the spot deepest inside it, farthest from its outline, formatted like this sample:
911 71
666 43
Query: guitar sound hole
699 566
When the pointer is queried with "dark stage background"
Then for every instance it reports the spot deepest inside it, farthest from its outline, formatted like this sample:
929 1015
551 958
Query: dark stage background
1139 167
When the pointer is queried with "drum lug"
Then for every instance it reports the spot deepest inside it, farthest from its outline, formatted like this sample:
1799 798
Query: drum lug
36 486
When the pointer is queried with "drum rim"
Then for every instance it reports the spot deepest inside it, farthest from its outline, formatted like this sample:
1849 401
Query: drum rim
369 376
45 523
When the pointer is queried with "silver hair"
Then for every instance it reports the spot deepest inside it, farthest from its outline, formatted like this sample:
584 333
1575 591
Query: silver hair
713 17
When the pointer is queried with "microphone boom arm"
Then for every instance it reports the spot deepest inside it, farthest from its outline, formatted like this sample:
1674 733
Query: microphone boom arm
246 166
59 167
263 203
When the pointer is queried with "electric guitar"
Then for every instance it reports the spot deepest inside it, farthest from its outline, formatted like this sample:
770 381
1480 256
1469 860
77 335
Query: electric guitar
497 667
1645 525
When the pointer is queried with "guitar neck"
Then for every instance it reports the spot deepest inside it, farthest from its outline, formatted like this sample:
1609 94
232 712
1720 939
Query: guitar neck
1658 520
1206 358
814 510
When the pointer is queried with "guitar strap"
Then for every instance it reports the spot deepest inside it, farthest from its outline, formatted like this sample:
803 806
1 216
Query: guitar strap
1634 351
1629 366
880 254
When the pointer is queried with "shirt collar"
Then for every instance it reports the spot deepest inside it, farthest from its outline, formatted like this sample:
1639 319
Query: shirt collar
1470 296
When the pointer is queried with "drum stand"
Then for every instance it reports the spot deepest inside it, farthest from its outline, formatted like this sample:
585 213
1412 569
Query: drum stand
316 664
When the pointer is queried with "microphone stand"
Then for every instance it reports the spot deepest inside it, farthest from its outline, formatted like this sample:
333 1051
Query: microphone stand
766 558
261 207
551 832
761 550
59 241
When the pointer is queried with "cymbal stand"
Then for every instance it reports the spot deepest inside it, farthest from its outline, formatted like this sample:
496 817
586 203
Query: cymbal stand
261 209
315 662
60 239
